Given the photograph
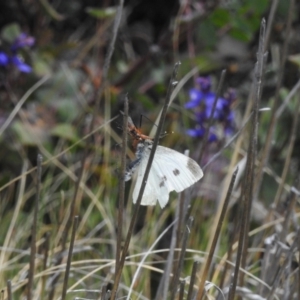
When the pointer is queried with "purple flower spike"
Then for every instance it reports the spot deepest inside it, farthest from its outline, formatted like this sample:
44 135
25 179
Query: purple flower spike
196 97
230 95
12 58
205 83
4 59
202 100
212 138
23 40
198 132
21 65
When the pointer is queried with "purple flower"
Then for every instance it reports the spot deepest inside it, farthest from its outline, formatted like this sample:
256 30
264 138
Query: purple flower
23 40
18 62
202 101
205 83
199 132
4 59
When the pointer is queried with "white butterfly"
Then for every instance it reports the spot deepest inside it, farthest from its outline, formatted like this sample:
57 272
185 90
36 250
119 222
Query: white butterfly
170 170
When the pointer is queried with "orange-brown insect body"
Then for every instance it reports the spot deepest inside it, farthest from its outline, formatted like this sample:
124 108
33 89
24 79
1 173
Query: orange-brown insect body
136 134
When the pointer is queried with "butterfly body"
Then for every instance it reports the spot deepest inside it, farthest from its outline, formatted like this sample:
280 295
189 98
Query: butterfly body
170 170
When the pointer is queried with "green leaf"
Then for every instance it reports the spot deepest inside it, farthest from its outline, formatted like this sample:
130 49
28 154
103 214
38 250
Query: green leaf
11 32
24 134
65 131
67 110
258 6
241 29
220 17
101 13
240 35
206 33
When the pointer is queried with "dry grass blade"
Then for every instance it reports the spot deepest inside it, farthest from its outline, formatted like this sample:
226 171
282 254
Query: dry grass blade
144 181
55 157
192 280
181 290
252 150
247 193
122 184
103 292
68 265
97 96
34 228
270 22
271 129
162 291
21 102
111 46
181 258
9 291
216 237
46 247
142 262
283 266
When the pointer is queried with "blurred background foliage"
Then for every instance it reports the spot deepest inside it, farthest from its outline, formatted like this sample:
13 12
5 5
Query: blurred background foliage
51 63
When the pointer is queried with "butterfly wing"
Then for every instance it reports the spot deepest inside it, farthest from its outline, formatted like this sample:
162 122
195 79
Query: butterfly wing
170 171
153 191
180 171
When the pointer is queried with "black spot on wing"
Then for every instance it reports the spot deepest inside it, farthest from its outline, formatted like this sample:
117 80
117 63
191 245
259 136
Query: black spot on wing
176 172
162 182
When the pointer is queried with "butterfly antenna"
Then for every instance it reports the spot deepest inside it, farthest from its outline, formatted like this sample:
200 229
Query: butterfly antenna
164 134
141 118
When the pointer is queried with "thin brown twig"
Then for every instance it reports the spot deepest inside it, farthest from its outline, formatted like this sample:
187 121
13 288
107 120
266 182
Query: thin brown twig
122 184
182 216
9 290
45 260
144 182
270 22
204 274
252 151
103 292
70 253
162 291
247 195
183 212
192 280
34 228
181 290
233 284
230 251
181 258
